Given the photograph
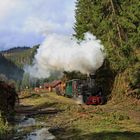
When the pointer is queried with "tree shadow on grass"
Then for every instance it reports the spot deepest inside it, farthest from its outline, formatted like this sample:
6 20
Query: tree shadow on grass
126 135
41 109
30 96
77 134
45 105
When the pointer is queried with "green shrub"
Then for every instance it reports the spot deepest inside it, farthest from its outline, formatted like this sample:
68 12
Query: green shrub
3 127
135 77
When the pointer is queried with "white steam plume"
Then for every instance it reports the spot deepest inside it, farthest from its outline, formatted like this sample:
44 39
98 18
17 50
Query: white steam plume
60 53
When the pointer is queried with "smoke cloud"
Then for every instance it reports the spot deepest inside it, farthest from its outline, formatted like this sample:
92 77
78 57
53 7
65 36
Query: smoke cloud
60 53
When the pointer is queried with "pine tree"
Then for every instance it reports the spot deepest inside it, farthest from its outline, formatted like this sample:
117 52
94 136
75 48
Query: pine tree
116 23
26 81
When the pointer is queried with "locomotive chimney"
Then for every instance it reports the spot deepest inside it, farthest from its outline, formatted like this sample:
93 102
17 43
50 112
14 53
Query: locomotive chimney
92 77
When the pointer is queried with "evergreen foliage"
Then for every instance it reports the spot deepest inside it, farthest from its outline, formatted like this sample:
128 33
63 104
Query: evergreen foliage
9 69
117 24
73 75
12 62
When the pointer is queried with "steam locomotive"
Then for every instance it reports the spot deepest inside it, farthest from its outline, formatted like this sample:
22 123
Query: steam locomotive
83 91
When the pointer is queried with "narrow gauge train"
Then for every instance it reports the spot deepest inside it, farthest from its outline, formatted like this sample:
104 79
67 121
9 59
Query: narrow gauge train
86 91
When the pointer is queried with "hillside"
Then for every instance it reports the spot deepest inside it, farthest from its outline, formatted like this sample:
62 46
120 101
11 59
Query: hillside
9 69
20 56
13 60
15 49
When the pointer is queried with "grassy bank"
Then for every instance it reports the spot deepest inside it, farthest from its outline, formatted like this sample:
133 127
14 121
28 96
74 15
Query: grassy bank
5 130
113 121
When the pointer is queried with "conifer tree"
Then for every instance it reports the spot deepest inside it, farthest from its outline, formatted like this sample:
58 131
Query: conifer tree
116 23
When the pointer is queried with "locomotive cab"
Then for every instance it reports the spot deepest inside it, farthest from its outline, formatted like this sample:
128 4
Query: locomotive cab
72 88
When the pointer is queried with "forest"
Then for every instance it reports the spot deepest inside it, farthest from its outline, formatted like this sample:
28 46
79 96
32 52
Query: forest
117 24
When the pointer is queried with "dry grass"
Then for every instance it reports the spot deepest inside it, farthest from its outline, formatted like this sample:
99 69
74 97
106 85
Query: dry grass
110 121
5 130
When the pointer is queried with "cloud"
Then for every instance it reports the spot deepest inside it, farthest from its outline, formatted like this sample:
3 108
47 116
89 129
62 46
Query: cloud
34 19
51 16
6 6
10 39
45 27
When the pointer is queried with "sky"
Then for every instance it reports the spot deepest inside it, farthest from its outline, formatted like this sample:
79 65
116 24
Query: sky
28 22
